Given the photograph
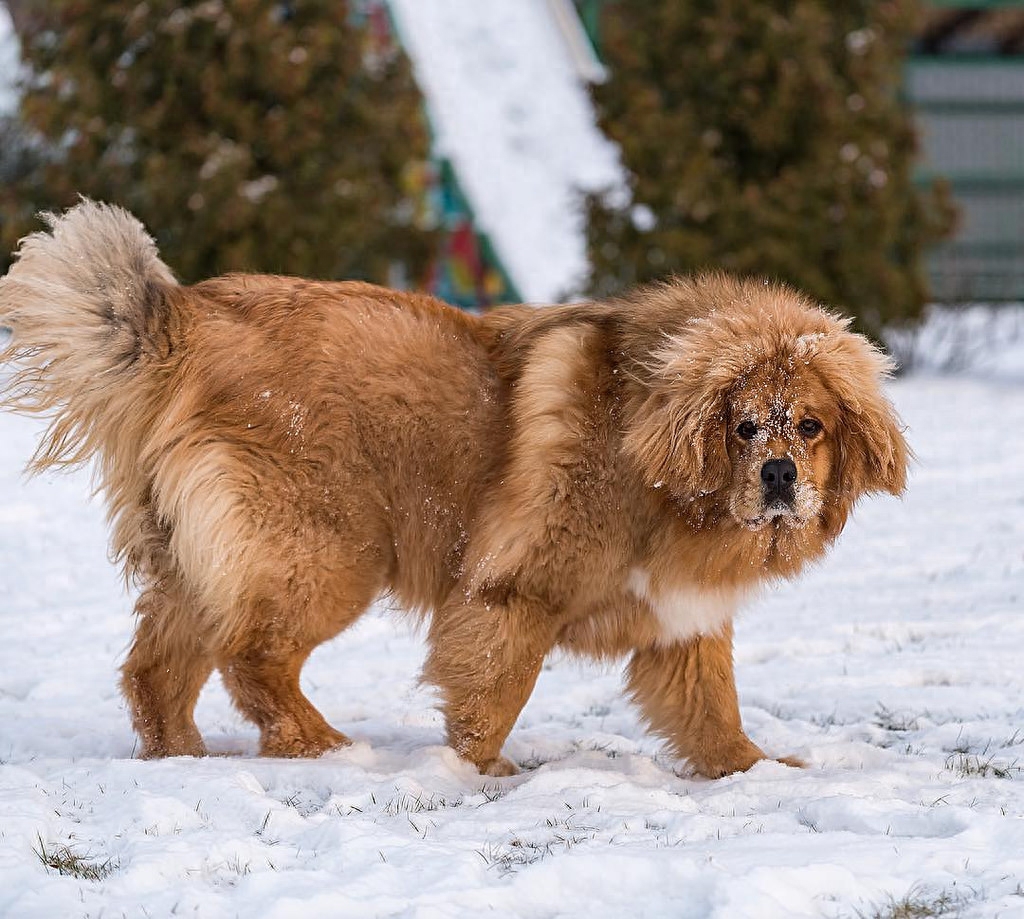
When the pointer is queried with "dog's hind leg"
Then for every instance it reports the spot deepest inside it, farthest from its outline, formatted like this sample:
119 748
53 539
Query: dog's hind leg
262 666
263 681
166 668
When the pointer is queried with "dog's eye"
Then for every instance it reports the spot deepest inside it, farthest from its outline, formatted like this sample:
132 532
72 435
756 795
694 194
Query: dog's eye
810 427
747 430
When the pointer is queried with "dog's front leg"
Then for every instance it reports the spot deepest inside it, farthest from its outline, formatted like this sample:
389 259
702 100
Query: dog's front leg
485 655
687 693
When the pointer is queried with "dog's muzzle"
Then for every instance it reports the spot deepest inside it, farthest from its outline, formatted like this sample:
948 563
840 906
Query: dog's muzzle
778 482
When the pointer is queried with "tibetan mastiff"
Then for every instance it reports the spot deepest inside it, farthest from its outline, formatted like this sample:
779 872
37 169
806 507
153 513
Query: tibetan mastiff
612 478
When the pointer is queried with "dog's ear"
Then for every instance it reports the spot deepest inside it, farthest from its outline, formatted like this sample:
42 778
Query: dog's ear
873 453
677 431
873 449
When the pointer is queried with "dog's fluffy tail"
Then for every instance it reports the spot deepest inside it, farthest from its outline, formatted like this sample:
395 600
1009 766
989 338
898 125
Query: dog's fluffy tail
88 307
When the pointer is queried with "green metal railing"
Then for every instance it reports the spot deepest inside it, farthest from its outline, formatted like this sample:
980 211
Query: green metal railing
970 111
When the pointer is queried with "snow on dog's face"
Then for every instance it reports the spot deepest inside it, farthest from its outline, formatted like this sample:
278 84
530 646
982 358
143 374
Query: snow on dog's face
770 410
780 442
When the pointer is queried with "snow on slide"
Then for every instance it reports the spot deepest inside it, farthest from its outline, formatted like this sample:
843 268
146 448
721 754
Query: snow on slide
511 112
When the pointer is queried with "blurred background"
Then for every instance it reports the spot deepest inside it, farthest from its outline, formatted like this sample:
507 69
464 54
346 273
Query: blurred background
871 153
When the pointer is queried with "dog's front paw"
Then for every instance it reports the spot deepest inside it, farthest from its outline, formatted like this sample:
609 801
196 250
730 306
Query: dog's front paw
499 767
737 755
727 757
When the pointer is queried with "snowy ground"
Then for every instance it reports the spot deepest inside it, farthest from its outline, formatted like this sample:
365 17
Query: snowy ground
974 339
895 669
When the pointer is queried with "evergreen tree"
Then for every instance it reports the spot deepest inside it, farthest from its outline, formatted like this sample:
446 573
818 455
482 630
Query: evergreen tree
247 135
769 139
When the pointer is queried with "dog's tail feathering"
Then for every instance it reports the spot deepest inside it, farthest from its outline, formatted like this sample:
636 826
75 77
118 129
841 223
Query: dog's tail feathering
88 310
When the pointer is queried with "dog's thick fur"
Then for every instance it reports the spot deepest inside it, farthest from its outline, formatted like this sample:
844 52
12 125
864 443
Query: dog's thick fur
278 452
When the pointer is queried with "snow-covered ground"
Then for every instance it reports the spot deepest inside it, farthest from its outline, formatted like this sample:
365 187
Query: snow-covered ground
973 339
896 669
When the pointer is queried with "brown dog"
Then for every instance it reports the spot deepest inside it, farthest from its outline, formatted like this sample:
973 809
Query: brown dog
612 478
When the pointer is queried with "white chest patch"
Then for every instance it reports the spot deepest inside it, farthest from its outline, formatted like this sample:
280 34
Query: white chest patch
684 613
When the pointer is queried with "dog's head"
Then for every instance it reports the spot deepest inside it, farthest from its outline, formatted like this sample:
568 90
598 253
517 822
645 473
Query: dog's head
765 408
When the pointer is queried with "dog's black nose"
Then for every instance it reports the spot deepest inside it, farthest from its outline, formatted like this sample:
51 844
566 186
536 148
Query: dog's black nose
779 476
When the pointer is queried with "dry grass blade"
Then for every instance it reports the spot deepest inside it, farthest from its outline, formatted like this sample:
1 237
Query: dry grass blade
61 859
